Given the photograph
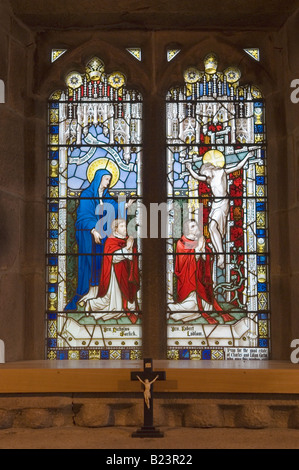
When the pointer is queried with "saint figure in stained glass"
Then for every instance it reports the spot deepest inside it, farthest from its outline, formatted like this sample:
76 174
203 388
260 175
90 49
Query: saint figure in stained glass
193 269
95 214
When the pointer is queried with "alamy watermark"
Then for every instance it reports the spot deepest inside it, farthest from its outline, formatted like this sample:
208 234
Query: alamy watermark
156 221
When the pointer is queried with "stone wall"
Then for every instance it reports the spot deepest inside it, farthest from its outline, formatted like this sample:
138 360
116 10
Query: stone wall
96 411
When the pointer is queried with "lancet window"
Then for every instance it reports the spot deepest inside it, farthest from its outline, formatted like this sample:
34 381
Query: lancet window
217 246
94 179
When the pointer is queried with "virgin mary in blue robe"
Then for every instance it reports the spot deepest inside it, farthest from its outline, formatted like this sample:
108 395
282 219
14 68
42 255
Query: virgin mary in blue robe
99 213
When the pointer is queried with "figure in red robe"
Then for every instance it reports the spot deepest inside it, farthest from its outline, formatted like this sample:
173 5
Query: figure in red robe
119 281
193 268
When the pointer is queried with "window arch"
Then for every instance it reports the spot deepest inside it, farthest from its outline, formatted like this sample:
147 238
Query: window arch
217 246
94 178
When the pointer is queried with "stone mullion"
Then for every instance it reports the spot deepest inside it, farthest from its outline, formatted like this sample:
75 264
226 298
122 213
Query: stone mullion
154 191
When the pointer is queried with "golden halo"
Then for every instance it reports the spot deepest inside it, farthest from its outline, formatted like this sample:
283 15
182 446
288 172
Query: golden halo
215 157
103 164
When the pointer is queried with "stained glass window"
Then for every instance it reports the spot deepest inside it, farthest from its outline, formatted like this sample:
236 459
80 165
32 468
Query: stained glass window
172 53
94 189
135 52
217 245
254 53
57 53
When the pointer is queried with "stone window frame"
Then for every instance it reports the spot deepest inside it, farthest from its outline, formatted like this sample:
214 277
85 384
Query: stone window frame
153 82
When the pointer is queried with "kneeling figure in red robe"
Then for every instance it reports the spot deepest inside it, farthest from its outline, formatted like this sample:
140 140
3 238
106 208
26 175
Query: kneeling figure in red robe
193 268
119 281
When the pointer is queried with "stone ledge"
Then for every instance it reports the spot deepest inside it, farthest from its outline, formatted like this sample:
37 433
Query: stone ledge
258 377
96 412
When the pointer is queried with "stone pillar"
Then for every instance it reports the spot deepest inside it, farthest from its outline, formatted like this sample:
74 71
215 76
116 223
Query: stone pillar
287 186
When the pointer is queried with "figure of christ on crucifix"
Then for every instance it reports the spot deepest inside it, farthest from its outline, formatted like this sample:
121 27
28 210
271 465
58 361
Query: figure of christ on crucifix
147 389
215 175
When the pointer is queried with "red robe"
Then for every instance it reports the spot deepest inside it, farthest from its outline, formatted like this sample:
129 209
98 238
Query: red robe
126 272
194 275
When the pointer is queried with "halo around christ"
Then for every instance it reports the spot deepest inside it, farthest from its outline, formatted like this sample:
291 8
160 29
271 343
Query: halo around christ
103 164
215 157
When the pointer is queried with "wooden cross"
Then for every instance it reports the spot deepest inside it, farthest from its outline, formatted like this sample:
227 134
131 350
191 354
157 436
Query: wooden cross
147 378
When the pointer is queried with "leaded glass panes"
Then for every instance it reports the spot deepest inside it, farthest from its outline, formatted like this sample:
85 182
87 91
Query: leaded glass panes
57 53
94 182
135 52
254 53
217 246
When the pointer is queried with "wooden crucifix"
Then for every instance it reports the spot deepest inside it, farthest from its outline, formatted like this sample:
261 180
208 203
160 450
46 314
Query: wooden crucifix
147 377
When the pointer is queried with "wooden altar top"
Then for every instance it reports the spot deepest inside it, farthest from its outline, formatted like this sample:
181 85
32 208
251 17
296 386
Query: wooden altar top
279 377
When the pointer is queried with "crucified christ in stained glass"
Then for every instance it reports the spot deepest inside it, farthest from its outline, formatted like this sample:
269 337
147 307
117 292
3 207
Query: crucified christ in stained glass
213 173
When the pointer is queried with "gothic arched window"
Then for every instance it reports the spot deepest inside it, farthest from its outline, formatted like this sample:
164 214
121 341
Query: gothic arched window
217 246
95 158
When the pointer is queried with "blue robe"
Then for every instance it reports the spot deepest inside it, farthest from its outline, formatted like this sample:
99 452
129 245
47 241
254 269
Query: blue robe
89 215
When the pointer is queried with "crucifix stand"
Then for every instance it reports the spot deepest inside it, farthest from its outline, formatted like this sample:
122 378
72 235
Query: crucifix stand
147 377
